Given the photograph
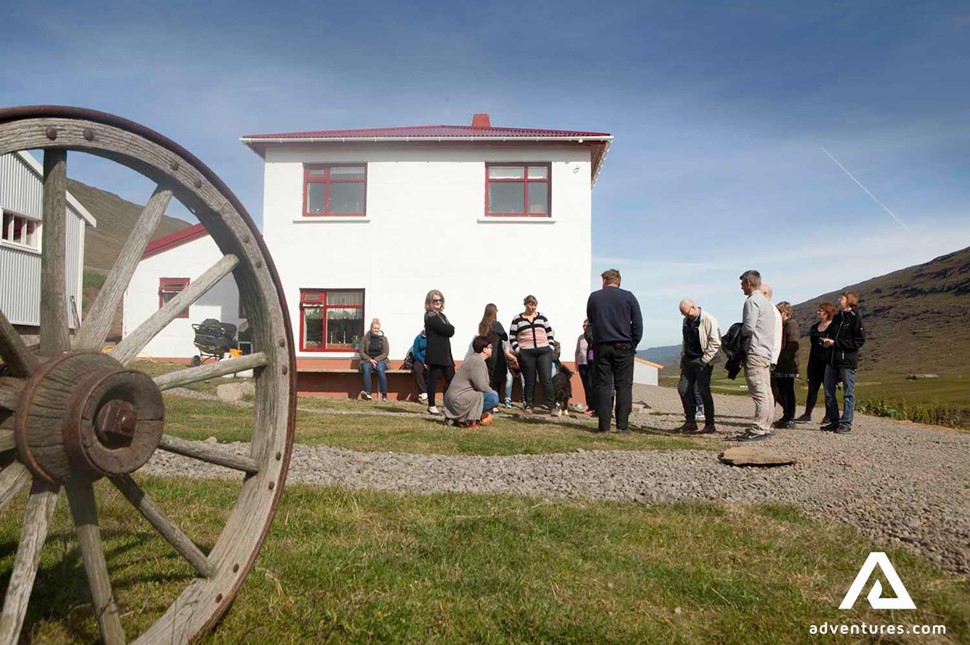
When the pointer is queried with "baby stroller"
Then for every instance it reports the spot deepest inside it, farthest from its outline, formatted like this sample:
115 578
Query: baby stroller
214 339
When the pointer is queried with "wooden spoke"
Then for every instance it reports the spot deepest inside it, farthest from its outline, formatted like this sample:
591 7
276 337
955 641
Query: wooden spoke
7 441
54 337
12 479
151 512
33 533
80 495
135 341
14 352
97 324
209 453
204 372
10 389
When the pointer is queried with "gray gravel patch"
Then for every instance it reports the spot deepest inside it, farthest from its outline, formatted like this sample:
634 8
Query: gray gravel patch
899 483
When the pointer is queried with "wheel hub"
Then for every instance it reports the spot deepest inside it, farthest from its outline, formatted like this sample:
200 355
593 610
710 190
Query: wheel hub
83 416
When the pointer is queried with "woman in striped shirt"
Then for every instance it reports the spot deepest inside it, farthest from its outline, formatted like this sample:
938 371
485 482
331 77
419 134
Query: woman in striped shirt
532 338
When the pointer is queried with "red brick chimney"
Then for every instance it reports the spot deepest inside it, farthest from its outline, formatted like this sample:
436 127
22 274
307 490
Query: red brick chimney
481 120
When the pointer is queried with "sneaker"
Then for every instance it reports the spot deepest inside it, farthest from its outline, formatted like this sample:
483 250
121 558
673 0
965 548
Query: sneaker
383 398
708 429
508 403
486 419
528 409
843 428
365 395
589 413
805 418
472 425
690 426
423 397
783 424
750 435
830 426
433 410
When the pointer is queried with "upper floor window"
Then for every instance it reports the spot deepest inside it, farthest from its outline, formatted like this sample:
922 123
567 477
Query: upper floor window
20 230
168 288
331 319
517 190
334 189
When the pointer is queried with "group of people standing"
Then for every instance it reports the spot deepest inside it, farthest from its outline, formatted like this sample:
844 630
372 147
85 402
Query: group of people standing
766 343
612 331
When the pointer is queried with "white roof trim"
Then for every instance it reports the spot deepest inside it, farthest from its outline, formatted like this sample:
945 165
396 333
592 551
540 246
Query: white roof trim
417 139
75 204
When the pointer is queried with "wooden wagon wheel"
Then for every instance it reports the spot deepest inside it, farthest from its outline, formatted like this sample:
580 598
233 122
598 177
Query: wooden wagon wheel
70 414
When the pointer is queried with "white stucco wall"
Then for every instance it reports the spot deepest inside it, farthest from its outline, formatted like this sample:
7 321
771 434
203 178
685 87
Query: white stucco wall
189 260
424 229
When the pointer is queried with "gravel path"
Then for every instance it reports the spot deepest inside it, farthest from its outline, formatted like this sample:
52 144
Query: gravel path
896 481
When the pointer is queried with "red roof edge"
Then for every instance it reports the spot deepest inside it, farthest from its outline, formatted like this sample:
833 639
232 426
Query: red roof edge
170 241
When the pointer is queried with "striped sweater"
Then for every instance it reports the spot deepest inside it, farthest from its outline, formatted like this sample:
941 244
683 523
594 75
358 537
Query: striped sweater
530 335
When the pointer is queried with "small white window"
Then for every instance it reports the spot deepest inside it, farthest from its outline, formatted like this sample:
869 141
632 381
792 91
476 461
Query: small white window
20 230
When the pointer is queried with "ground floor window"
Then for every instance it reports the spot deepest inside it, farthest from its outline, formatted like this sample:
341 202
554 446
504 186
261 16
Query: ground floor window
20 229
331 319
168 288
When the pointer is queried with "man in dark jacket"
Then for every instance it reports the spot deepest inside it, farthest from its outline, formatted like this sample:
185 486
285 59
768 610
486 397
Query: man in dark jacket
843 339
617 324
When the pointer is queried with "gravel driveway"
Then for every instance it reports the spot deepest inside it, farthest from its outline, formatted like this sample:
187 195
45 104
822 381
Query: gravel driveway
897 482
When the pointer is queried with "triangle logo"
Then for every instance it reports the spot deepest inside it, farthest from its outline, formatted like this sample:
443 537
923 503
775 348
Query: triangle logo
881 560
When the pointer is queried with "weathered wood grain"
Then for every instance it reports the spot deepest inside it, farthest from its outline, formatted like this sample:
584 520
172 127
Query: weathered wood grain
173 534
212 370
10 389
54 336
33 534
13 351
12 479
209 453
128 348
97 324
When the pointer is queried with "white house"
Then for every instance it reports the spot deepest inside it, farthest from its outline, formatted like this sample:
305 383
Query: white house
21 223
363 223
645 372
168 264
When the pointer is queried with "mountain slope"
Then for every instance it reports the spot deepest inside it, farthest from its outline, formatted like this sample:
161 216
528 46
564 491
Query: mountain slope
915 318
116 217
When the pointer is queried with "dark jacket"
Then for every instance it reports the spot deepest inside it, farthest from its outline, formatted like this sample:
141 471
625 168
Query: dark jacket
816 355
788 359
849 336
365 350
497 364
439 332
732 344
614 315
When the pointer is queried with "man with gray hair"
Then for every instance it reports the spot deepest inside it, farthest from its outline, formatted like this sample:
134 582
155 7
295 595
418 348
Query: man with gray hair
757 334
701 340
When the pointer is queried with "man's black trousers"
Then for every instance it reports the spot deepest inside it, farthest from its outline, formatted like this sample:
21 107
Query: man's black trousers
614 375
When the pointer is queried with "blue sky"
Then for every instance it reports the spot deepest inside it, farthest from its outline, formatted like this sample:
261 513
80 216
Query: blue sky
719 112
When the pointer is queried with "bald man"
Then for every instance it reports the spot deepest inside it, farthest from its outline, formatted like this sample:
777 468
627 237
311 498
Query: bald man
701 340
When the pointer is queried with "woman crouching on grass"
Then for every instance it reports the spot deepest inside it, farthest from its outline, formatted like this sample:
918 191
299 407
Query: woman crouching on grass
469 398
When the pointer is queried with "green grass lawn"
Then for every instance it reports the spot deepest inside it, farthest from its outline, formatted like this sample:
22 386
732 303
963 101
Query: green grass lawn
195 419
344 566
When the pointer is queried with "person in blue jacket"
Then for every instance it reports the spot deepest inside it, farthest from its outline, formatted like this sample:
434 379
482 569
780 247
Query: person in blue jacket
418 349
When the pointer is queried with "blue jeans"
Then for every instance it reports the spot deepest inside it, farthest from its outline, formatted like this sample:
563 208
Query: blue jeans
490 400
381 370
832 375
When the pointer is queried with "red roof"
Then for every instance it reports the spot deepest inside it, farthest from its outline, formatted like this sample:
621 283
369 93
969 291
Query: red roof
170 241
429 132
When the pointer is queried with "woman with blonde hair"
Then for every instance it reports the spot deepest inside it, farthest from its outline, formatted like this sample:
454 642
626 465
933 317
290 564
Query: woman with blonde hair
437 356
373 352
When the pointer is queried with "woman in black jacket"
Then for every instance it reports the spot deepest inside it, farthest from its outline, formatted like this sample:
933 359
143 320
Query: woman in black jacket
843 339
816 359
438 356
501 355
787 368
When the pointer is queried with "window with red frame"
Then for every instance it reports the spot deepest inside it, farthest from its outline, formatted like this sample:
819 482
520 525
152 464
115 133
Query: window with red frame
517 190
168 288
331 320
334 189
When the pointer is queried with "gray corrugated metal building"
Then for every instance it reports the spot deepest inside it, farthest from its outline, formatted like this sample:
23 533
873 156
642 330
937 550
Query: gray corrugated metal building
21 222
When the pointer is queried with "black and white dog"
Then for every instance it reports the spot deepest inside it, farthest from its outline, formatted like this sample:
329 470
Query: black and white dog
562 385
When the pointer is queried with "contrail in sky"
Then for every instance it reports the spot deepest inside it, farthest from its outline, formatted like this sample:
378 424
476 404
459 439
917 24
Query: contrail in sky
859 183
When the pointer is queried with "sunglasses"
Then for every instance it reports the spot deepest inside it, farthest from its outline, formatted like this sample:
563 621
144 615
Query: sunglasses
437 300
